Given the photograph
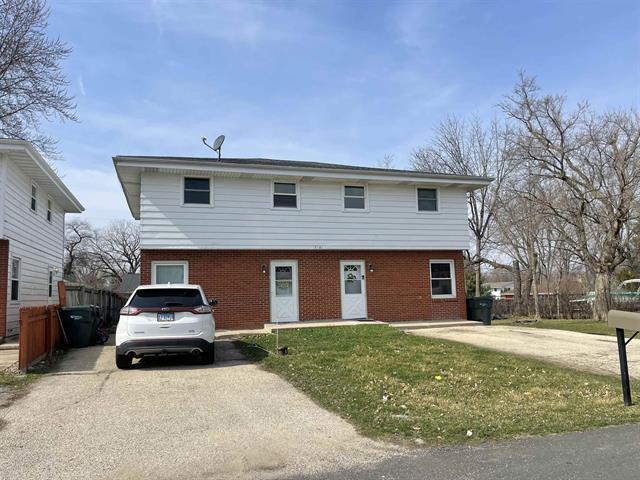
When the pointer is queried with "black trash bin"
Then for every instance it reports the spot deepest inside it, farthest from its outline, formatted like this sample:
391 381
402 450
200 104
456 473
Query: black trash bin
80 325
480 309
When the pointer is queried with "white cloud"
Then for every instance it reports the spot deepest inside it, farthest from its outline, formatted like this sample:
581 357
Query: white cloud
81 85
231 21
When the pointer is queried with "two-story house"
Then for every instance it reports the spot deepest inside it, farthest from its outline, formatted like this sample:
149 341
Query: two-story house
287 241
33 203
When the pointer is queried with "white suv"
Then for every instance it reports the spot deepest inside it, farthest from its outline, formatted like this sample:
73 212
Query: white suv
163 319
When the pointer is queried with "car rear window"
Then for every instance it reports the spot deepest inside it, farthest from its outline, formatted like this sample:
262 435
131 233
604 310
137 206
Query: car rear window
166 297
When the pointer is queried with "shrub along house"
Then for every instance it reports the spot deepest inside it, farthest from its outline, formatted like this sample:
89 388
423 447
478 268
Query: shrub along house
33 203
287 241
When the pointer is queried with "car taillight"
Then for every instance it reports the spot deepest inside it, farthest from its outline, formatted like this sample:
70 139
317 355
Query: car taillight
202 309
130 311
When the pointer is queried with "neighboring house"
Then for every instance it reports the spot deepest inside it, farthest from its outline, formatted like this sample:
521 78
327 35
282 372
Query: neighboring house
283 241
130 281
33 203
500 289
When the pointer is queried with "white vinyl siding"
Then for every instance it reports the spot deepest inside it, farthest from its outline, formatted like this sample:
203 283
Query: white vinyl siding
244 217
37 242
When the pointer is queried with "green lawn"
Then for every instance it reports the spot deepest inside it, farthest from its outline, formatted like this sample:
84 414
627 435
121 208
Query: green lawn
408 389
582 326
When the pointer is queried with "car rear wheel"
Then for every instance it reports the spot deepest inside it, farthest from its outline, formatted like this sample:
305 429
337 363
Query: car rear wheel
209 355
123 361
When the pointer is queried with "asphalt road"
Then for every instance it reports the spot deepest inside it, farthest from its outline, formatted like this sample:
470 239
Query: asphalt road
610 453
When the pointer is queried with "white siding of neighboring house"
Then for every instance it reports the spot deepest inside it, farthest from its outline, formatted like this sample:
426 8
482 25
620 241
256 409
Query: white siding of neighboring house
37 242
242 217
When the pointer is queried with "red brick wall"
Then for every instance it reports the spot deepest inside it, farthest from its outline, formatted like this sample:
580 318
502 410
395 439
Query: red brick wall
4 273
397 290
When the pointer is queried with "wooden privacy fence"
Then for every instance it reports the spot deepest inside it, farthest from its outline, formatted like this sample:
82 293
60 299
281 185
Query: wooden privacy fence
39 334
74 294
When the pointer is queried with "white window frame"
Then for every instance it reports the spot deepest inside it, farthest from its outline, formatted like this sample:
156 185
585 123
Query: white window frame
452 265
297 195
12 278
33 198
211 190
366 197
155 264
49 212
428 212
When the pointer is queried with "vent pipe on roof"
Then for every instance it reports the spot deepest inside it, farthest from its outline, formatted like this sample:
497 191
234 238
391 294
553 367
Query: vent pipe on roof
217 145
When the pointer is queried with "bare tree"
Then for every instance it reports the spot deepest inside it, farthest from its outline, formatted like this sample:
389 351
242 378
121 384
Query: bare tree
470 149
79 236
589 169
388 161
116 249
32 84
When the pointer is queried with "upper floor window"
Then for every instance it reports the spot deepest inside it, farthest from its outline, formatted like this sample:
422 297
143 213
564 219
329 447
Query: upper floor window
197 191
354 197
427 200
285 195
49 208
15 279
443 280
34 197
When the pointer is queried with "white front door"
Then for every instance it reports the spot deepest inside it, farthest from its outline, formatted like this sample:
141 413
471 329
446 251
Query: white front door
284 291
353 288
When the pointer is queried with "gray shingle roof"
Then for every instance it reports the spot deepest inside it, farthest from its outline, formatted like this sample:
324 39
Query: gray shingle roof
270 162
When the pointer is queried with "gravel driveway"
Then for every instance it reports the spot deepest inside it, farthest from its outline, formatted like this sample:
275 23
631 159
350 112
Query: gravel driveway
583 351
169 420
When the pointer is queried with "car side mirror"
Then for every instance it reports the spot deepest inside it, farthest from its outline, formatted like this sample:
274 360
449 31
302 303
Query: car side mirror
213 302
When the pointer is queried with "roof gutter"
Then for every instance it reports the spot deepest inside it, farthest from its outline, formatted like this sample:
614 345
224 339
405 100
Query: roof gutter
333 173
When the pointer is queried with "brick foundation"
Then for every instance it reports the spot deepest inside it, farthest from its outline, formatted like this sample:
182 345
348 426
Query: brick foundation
397 290
4 274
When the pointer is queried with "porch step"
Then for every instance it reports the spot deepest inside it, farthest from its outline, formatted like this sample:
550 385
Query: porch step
434 324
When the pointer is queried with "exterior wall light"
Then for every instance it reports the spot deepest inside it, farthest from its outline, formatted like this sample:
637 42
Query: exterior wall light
371 268
263 269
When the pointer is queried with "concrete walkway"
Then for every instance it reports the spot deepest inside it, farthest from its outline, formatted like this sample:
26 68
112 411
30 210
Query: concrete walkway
9 351
593 353
172 419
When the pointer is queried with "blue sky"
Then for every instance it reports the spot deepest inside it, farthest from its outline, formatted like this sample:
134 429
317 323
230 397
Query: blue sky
343 82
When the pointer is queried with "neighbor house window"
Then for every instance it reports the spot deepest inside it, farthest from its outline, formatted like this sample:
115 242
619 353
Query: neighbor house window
197 191
50 282
354 197
427 200
49 207
15 279
169 272
34 197
285 195
443 280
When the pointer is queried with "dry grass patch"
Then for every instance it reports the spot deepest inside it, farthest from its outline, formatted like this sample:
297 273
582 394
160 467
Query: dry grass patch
406 388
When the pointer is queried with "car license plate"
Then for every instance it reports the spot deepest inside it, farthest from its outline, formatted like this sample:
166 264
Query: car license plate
166 317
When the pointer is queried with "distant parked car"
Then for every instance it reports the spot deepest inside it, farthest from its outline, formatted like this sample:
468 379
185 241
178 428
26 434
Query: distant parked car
166 319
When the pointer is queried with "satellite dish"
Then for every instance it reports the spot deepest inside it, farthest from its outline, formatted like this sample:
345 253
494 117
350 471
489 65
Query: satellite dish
217 144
